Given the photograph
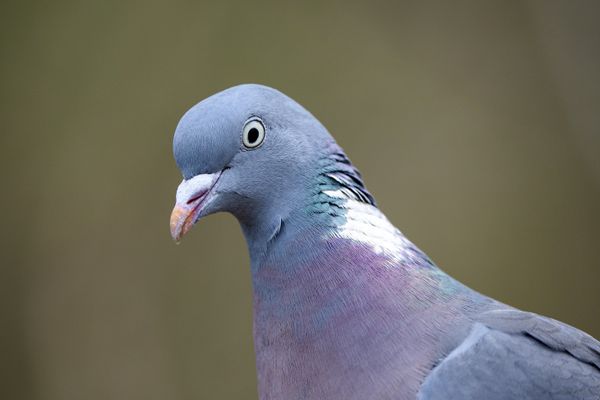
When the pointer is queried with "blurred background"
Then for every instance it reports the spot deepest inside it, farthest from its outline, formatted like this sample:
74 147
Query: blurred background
475 124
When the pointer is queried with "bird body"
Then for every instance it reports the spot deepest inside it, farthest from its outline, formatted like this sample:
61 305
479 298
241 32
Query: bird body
345 306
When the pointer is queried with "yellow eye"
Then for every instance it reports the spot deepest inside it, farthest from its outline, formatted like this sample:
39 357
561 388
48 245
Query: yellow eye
254 134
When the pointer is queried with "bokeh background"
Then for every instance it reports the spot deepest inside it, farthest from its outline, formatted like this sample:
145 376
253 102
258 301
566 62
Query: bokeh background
476 126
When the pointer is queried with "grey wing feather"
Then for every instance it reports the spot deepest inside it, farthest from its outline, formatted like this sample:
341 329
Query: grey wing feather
549 332
511 354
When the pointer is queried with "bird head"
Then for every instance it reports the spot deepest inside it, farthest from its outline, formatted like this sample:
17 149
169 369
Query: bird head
248 150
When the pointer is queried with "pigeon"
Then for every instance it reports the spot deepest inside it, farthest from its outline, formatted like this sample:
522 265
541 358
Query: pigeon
345 306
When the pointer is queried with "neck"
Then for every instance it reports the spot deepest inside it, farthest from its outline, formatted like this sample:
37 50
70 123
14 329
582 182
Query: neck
311 200
332 201
337 287
337 296
288 245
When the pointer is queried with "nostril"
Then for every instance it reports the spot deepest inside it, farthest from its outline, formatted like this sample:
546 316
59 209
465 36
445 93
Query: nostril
197 197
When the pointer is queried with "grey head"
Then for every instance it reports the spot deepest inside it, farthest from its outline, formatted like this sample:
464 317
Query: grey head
254 152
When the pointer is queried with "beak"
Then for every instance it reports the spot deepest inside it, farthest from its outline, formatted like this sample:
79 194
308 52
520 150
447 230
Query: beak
192 196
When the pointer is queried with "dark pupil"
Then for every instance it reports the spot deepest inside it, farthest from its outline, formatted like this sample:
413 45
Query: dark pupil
252 135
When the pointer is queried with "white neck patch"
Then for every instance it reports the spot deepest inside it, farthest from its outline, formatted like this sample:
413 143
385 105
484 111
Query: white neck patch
364 223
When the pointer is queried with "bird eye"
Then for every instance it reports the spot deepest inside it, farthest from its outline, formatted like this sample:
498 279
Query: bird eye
254 134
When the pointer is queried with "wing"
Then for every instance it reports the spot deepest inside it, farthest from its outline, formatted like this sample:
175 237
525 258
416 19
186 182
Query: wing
510 354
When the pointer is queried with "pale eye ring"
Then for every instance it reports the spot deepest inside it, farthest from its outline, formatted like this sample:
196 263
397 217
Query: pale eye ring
253 134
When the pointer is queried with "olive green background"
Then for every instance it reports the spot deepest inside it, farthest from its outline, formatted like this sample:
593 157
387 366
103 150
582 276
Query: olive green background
476 126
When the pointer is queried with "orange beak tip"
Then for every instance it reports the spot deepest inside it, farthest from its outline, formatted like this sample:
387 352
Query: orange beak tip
179 222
